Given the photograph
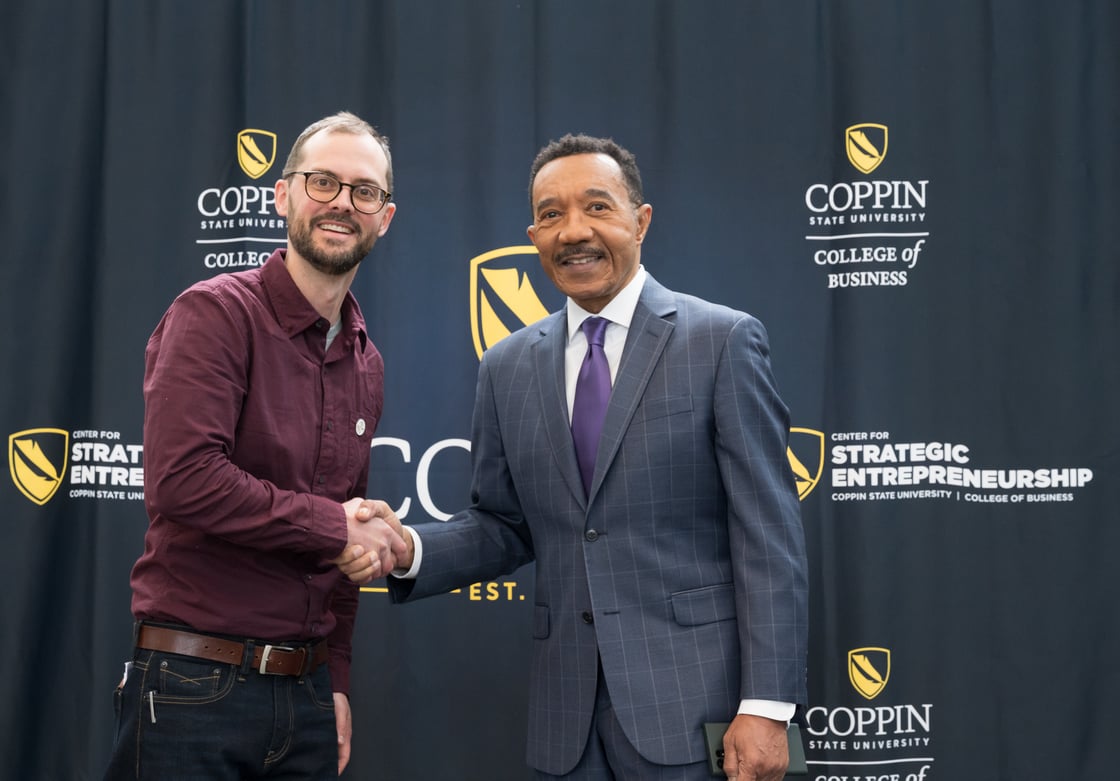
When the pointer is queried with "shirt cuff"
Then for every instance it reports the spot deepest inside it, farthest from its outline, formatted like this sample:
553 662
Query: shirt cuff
417 554
770 709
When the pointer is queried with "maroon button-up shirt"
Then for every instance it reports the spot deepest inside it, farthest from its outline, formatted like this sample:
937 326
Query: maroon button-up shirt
254 434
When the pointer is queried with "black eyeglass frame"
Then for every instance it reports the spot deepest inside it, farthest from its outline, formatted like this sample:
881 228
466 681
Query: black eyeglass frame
385 194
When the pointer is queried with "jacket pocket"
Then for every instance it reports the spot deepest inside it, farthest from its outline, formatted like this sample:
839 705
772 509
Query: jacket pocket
704 605
651 409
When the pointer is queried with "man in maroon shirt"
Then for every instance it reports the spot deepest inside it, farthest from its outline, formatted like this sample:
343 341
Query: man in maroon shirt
262 392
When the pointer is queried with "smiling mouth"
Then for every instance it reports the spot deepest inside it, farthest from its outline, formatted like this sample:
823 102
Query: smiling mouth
334 226
579 256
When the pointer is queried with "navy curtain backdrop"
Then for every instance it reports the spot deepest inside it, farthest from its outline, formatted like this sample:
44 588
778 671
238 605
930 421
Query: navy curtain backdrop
917 199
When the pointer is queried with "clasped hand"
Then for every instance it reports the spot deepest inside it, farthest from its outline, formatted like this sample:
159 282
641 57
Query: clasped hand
376 544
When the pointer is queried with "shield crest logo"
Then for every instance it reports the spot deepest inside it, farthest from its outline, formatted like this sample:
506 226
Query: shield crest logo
256 151
869 669
37 461
866 145
503 295
806 458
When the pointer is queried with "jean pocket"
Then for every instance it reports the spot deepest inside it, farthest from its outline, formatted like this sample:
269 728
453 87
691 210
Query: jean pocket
181 679
318 687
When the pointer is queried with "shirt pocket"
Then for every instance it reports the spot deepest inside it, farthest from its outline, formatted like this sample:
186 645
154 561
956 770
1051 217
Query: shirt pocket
360 424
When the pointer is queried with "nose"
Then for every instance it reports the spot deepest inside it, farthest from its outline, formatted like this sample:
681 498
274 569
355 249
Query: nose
576 228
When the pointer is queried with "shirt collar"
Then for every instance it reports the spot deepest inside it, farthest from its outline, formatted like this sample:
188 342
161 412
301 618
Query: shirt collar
294 312
619 310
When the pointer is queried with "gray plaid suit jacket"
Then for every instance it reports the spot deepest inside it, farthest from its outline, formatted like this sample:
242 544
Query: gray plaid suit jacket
684 571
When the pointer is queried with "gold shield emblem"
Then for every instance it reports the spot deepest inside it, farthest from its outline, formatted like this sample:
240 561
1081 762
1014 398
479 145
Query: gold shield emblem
37 460
806 458
503 298
256 151
868 670
866 145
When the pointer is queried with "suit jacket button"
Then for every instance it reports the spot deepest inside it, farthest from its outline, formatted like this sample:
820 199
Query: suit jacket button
591 535
587 617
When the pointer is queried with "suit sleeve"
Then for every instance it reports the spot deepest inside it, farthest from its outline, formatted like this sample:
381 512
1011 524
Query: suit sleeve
764 518
488 539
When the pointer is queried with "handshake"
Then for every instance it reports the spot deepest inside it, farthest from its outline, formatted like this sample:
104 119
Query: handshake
376 543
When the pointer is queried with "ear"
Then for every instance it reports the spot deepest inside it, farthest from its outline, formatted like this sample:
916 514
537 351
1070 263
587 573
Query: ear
645 217
282 197
531 232
388 212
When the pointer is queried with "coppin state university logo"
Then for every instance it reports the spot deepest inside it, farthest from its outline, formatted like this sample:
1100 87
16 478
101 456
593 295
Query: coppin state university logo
866 145
256 151
504 298
869 669
37 461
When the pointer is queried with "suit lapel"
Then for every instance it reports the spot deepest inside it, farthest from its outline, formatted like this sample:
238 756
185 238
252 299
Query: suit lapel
548 360
649 333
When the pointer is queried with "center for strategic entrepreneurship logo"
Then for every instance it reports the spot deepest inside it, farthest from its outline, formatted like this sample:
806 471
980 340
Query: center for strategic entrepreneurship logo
503 289
867 232
98 464
237 220
37 461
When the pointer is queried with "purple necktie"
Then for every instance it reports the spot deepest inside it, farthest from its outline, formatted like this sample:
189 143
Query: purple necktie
593 391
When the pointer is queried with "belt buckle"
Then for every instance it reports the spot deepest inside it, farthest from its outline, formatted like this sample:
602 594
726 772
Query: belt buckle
268 649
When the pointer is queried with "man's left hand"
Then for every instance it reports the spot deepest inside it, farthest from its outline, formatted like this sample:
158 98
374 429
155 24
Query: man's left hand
344 727
756 749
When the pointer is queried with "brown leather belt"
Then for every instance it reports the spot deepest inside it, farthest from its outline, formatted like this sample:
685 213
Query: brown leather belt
268 659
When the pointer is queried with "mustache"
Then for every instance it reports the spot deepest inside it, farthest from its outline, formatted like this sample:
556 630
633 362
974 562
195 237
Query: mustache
578 249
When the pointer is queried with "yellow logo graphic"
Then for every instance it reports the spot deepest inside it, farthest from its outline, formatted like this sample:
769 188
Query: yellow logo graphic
866 145
256 151
869 669
806 458
37 461
503 298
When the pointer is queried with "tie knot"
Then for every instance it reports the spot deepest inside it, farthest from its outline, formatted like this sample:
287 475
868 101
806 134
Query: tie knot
595 328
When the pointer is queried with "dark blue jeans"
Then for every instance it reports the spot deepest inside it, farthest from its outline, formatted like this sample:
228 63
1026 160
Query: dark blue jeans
186 719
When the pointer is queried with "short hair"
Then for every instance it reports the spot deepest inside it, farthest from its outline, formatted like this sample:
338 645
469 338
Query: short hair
588 145
342 122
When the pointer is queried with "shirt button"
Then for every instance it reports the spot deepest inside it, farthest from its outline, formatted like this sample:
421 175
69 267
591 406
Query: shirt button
587 617
591 535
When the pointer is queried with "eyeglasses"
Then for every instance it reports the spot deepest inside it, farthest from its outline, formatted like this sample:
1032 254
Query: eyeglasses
324 188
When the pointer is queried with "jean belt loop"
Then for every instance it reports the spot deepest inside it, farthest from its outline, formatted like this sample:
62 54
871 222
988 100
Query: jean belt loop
247 658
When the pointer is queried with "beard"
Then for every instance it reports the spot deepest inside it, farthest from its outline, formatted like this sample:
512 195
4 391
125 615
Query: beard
333 262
